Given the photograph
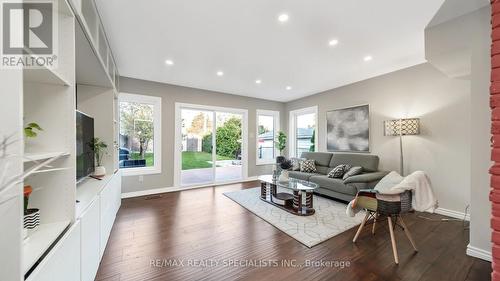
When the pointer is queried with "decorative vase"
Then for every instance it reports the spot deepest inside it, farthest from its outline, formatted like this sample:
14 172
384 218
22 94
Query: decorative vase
32 218
100 171
280 159
284 176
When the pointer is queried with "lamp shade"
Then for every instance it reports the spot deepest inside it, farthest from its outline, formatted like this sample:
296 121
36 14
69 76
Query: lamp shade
403 127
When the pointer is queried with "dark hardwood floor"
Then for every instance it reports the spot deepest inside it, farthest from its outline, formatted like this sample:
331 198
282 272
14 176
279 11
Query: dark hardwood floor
204 225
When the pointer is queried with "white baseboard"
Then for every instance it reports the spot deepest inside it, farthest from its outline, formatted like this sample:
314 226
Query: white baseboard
478 253
453 214
176 188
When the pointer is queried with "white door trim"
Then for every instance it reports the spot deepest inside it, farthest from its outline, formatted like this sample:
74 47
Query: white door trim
178 136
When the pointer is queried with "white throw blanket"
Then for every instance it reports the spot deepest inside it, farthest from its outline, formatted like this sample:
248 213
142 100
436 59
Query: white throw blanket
423 198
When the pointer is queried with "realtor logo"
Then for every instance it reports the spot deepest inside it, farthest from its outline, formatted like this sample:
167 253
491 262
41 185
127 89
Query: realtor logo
29 34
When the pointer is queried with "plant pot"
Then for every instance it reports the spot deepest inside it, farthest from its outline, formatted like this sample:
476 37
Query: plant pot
100 171
32 218
280 159
284 176
25 234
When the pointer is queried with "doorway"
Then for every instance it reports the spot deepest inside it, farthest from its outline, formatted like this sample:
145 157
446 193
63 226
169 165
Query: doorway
211 145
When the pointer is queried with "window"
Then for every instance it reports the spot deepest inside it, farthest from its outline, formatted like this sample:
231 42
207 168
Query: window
140 134
267 129
303 135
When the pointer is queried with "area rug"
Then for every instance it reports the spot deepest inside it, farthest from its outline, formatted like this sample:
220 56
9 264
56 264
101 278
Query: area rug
329 219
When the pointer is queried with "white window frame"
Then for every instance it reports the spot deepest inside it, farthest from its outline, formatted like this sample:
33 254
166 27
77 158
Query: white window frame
276 128
292 128
156 103
178 141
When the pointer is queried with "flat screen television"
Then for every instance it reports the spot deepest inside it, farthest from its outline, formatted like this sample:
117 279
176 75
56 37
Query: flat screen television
84 152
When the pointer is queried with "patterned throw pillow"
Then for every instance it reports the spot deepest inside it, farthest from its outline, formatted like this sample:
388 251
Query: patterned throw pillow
339 171
296 163
308 166
352 172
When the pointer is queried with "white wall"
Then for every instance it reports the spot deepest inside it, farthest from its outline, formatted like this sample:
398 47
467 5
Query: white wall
443 148
480 231
171 94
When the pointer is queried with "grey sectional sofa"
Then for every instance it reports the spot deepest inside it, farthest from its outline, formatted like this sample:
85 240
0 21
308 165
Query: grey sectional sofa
341 189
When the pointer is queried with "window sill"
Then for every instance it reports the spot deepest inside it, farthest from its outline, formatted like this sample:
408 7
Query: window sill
262 163
139 171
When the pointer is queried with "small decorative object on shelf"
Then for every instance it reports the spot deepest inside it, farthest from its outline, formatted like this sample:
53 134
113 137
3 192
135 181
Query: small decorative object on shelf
31 216
281 145
284 176
30 131
285 166
100 149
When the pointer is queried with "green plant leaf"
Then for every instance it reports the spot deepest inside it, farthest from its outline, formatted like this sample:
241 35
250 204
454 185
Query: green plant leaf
35 126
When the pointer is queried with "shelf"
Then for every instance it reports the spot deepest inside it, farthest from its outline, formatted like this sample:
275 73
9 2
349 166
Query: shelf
45 76
39 241
31 157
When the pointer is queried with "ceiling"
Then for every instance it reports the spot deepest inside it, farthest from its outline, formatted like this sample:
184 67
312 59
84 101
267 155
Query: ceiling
246 41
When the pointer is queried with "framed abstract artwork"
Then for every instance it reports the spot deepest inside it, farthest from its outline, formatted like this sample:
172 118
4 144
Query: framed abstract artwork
348 129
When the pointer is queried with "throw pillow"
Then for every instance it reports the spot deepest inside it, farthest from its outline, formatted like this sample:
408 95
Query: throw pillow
352 172
308 166
296 163
339 171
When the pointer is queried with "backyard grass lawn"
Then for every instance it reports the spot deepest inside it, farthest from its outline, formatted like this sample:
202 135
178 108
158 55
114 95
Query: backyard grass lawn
198 160
148 156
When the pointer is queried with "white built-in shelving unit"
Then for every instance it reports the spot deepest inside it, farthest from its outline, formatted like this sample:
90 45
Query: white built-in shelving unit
49 99
74 217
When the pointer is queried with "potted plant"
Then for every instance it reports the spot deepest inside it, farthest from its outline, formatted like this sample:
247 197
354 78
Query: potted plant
281 144
31 216
285 166
30 131
100 149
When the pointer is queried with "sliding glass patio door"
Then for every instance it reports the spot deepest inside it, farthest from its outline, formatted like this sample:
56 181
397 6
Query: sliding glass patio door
211 143
197 159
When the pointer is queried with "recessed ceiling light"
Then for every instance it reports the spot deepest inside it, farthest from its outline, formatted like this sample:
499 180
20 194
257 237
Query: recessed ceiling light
220 73
333 42
288 88
283 18
368 58
169 62
258 81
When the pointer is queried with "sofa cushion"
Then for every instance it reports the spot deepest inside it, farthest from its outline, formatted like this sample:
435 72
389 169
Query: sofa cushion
321 158
323 170
352 172
308 166
333 184
339 171
301 175
367 161
296 163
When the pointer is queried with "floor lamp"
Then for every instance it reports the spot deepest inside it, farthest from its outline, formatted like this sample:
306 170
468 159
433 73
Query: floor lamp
402 127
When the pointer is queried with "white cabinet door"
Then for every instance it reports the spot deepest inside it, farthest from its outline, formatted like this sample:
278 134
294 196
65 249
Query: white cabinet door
110 202
90 242
63 261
